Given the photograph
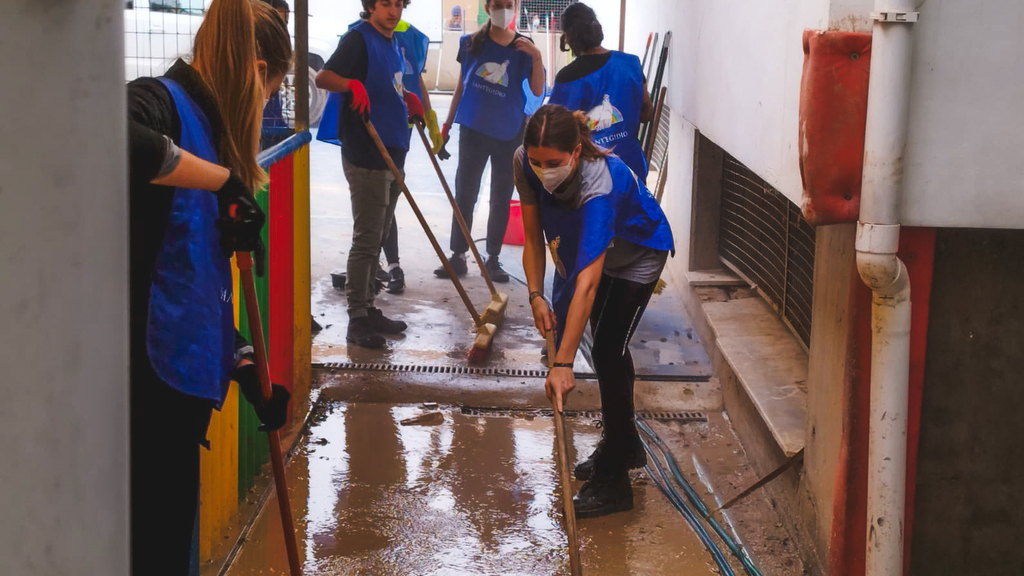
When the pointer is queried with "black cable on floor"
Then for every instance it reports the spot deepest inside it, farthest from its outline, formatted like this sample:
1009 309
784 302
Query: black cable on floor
695 499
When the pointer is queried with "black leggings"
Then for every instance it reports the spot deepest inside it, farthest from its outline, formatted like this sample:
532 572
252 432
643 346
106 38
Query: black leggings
390 243
618 306
167 430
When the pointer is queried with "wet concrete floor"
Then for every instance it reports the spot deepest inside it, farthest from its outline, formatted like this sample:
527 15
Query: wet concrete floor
479 496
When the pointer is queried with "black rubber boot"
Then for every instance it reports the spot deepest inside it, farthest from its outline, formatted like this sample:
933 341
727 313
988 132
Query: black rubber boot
631 456
494 269
605 493
383 324
396 283
458 262
361 333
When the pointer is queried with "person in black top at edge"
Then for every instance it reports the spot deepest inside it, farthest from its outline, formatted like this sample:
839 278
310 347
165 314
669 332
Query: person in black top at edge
367 68
193 137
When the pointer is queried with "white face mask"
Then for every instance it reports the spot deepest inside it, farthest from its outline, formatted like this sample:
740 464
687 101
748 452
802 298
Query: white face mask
502 18
552 178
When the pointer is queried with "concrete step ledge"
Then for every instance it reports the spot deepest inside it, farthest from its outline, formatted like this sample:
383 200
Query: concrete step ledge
768 362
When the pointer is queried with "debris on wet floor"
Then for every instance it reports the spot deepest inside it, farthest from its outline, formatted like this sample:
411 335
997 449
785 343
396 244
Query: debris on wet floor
472 495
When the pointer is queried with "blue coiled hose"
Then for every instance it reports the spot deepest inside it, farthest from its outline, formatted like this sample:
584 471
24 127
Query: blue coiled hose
695 499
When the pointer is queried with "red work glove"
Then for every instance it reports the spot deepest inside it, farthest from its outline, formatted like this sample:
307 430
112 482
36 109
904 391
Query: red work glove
360 99
415 106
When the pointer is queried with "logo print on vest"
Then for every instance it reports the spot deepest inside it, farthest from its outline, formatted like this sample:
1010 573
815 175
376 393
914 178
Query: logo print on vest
494 73
399 87
408 65
553 247
604 115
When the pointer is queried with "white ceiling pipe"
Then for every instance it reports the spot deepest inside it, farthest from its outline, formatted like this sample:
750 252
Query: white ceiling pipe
877 241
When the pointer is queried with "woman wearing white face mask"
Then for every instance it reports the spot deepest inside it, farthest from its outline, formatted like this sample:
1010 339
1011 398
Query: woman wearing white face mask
609 241
489 104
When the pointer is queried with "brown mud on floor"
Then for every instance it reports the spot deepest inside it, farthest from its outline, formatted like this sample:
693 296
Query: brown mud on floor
471 496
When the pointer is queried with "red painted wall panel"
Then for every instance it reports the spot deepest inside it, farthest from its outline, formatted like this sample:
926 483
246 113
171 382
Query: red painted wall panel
849 511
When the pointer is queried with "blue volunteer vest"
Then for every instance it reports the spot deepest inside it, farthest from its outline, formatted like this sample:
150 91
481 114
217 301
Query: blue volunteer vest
492 100
576 236
612 97
413 46
190 332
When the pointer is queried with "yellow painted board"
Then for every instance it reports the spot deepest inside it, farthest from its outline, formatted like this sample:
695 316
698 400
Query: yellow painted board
301 339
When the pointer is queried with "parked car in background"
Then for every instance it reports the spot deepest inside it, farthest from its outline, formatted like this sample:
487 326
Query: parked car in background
157 32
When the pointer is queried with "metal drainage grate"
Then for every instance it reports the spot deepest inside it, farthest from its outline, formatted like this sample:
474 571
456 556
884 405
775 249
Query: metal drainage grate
422 369
584 414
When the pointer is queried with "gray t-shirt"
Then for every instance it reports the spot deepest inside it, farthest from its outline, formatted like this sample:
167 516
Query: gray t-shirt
622 259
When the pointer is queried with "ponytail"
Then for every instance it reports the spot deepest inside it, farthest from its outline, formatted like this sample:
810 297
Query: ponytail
224 55
581 29
555 126
477 39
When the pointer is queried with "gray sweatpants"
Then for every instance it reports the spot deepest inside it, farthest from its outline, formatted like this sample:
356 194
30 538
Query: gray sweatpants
374 194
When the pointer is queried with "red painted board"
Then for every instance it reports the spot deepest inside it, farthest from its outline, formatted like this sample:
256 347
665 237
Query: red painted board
833 110
281 285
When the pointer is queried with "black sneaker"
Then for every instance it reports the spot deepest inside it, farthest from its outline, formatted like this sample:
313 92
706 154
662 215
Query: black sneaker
383 324
396 284
605 493
458 262
495 271
632 457
361 333
382 274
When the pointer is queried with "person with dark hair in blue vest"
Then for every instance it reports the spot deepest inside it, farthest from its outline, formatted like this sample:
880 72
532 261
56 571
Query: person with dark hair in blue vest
607 85
413 46
490 105
609 241
193 135
367 67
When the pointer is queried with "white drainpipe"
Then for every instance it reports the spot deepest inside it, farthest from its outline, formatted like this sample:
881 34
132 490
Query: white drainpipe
877 240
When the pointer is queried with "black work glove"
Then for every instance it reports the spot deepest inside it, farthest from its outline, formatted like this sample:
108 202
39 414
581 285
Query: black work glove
241 221
443 153
272 413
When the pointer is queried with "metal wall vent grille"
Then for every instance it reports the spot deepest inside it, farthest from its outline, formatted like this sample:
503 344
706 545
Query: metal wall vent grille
765 238
584 414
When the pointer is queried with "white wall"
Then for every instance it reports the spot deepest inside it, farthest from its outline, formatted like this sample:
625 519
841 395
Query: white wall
963 163
734 73
63 290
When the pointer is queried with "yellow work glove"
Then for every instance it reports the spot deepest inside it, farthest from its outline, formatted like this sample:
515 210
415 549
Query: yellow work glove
436 140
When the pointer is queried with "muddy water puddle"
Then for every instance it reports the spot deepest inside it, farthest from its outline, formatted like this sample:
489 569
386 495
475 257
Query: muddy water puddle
469 496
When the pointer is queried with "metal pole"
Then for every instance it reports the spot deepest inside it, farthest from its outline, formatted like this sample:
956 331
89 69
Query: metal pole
622 27
302 339
301 65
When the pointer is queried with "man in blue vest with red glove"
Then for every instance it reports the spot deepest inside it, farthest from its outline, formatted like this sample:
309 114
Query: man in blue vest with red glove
367 68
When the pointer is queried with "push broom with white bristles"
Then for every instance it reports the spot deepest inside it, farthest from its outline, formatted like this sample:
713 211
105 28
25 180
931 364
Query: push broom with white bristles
494 313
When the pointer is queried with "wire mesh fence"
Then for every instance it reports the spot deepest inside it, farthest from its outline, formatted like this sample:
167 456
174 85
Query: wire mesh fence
157 32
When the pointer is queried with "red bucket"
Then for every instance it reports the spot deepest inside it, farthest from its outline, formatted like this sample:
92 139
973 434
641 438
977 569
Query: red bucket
514 231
